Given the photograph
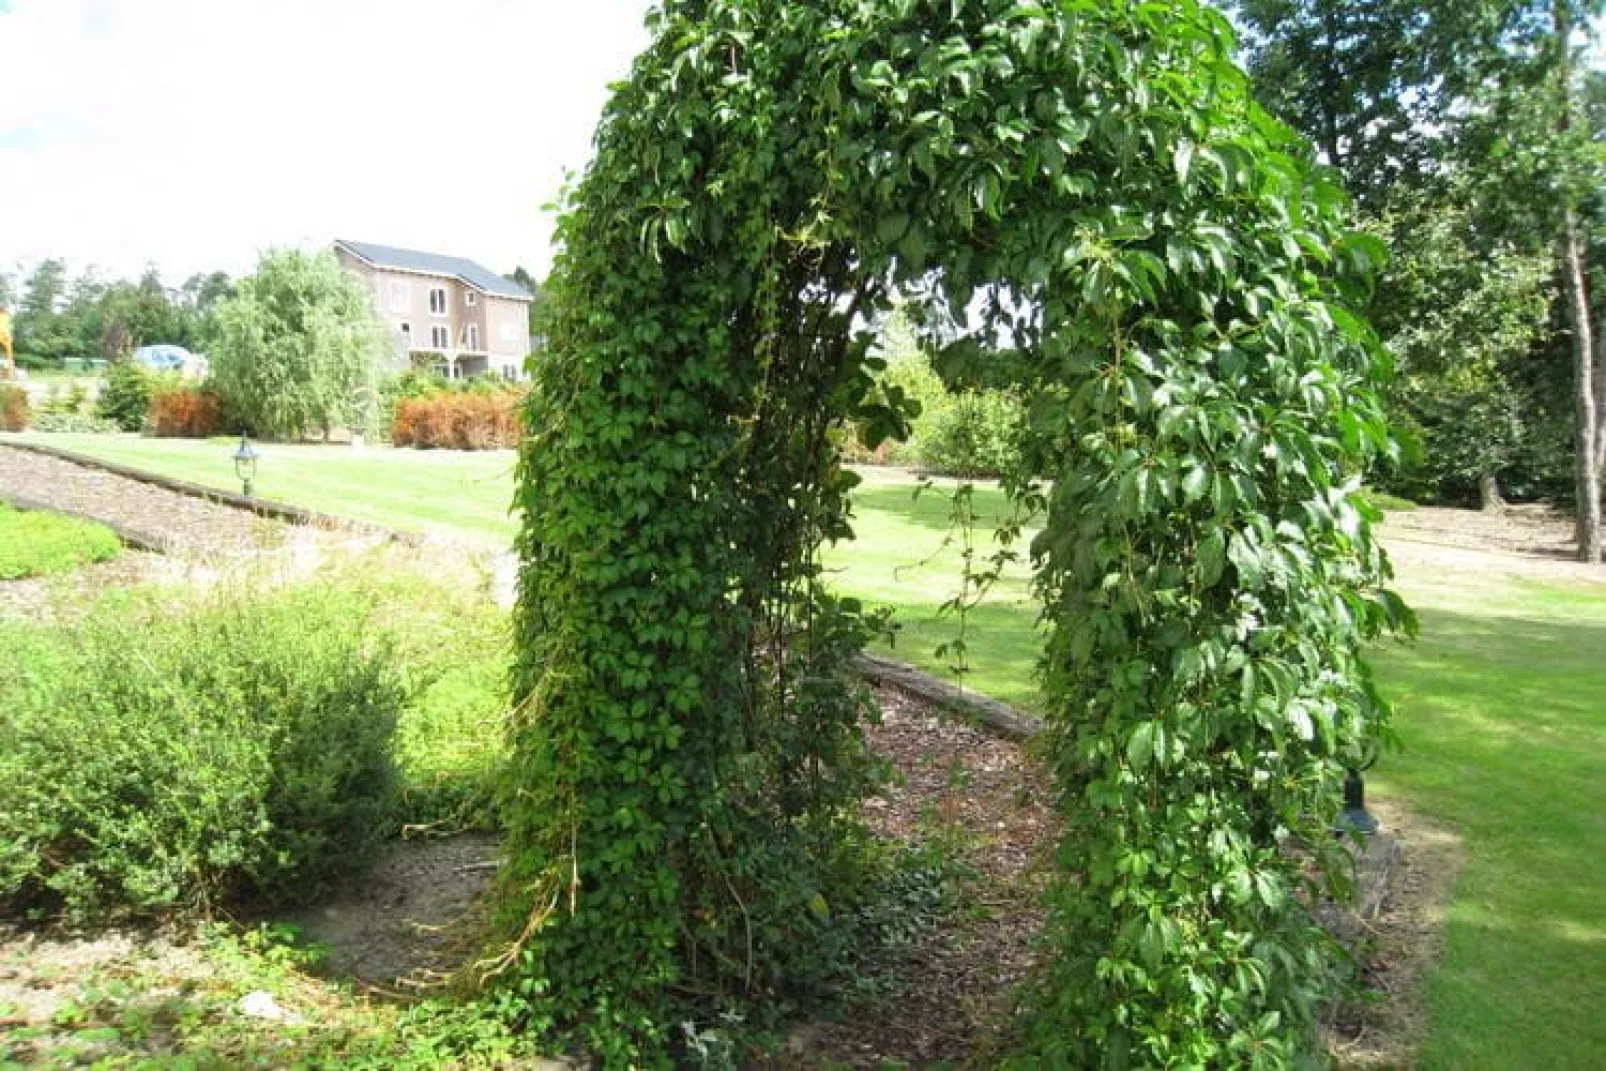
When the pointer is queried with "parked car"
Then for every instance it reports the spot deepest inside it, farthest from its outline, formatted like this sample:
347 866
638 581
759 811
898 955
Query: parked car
172 359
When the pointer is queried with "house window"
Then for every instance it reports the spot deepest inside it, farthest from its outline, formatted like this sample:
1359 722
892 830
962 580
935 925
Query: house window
437 300
401 295
406 330
440 337
470 298
473 334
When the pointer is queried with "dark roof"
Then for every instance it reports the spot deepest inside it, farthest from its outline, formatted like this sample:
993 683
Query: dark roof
386 256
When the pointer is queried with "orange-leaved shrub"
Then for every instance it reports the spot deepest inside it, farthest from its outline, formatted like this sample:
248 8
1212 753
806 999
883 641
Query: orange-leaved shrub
475 421
13 408
185 413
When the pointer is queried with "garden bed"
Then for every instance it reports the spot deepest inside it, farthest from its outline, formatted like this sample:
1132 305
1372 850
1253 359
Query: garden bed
160 517
943 996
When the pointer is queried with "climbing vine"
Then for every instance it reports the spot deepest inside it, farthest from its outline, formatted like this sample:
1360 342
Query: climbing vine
1077 200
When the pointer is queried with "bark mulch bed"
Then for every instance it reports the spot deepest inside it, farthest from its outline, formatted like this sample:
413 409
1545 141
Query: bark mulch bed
182 525
947 999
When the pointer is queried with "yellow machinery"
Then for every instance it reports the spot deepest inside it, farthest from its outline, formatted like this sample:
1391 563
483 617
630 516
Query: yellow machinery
9 369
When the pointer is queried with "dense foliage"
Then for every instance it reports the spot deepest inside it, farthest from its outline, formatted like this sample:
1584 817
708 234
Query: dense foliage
1081 204
185 412
297 348
976 434
125 397
431 412
166 754
970 433
1472 130
88 317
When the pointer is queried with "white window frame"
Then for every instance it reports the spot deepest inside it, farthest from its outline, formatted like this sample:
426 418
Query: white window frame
470 298
440 337
401 295
446 301
471 338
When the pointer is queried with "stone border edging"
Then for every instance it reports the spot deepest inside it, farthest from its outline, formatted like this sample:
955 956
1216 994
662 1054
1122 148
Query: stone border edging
263 507
922 685
127 536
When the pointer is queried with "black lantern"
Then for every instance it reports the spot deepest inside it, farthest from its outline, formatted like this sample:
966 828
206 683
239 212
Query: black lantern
1356 818
245 464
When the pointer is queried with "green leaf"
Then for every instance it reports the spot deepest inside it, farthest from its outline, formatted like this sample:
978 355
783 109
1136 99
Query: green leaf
1212 558
1140 745
1195 483
1182 159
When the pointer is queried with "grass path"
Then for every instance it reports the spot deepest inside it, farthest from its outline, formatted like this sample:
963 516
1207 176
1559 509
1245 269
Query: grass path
1502 715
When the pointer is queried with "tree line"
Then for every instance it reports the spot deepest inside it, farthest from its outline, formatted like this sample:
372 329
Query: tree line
1470 133
59 315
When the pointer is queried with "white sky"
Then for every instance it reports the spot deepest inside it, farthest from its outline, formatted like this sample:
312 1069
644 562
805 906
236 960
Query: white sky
193 134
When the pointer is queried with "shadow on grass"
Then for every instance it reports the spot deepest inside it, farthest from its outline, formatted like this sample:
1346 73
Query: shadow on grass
933 507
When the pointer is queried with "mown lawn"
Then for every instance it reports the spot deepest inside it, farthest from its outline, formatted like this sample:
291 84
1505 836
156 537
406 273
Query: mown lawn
1502 714
465 496
1502 717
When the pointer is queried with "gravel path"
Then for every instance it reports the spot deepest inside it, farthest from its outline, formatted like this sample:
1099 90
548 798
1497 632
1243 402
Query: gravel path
190 527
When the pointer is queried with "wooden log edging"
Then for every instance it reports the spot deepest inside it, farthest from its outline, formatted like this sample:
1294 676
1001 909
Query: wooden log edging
1001 717
129 537
263 507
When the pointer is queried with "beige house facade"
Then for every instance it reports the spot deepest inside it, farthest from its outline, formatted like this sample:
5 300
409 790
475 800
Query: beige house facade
445 312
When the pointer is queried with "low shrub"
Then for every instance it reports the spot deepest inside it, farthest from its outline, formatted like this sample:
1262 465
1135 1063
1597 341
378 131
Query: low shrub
73 423
70 402
458 421
126 395
976 435
167 756
185 413
13 408
38 544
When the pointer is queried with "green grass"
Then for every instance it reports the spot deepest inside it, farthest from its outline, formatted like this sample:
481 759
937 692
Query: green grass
465 496
1502 714
1502 717
43 544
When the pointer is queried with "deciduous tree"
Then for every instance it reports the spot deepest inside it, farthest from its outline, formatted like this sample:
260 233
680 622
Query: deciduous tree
296 347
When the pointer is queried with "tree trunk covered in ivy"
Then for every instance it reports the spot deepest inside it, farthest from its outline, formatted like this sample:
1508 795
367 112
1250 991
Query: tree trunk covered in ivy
1080 203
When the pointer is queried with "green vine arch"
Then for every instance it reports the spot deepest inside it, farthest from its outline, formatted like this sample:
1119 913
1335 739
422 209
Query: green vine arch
1077 199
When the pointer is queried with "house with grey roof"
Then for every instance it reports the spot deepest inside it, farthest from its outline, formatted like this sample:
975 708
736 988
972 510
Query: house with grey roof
447 312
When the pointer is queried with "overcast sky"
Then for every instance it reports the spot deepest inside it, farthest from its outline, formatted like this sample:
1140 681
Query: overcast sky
194 133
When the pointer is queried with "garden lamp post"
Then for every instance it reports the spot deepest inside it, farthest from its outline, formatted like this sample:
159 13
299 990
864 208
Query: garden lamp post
245 464
1356 818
